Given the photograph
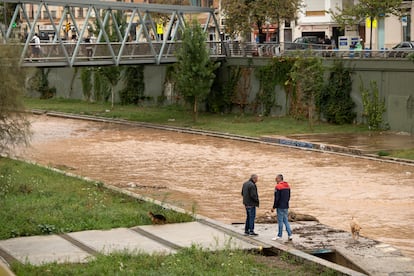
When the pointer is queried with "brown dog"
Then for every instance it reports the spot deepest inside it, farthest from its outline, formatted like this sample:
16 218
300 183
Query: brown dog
157 218
355 228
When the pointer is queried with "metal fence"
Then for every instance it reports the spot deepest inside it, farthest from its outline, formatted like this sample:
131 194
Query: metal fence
238 49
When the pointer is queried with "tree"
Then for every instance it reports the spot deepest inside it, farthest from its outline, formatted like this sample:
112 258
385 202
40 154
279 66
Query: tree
14 125
86 78
112 74
307 76
194 70
242 16
372 9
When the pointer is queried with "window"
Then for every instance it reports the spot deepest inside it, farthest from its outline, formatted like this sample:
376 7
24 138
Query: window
80 13
45 15
315 7
287 24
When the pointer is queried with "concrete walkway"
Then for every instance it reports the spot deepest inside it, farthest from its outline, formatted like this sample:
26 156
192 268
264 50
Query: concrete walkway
82 246
341 252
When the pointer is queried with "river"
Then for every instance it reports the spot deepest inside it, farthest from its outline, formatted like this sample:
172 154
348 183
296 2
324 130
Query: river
205 174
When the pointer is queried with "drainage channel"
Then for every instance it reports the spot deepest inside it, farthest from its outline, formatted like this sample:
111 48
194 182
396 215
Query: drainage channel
324 258
334 256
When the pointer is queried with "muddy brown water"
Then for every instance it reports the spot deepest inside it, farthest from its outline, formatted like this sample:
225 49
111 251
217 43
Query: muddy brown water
206 174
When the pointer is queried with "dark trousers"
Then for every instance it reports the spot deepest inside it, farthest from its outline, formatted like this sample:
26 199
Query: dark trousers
250 217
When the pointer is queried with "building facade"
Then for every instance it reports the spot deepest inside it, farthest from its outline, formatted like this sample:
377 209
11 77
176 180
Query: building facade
314 20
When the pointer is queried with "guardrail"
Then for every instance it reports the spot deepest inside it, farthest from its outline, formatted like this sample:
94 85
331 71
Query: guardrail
237 49
68 53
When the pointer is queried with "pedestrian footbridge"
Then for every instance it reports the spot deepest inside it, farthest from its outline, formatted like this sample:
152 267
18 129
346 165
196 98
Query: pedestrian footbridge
94 33
100 33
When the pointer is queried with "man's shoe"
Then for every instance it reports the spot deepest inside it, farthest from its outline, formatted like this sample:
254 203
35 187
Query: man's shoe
290 238
253 234
246 233
276 238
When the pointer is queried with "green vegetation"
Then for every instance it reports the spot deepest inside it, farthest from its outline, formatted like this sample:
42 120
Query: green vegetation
276 72
35 200
406 154
334 101
249 125
374 107
14 127
202 263
194 67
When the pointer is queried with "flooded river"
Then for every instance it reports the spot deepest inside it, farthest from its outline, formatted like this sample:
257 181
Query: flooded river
206 174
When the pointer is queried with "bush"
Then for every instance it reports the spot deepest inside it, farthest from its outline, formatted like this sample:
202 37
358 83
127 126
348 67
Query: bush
335 102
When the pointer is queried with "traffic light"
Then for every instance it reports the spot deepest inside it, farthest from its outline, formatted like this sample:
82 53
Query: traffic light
67 27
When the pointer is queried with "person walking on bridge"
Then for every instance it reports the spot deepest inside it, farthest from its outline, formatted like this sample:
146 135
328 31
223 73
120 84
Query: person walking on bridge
35 46
281 204
250 201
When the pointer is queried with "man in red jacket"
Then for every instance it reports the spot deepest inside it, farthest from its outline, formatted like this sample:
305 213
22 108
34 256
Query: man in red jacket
281 204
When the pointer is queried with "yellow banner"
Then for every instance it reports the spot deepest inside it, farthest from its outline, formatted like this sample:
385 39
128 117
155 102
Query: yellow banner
368 23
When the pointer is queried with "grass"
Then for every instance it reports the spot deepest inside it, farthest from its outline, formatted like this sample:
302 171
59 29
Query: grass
35 200
202 263
246 124
406 154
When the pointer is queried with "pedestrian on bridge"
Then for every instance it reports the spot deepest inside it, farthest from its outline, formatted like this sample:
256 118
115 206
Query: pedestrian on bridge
35 46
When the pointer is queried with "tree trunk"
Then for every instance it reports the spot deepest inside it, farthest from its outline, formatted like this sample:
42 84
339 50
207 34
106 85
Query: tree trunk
112 96
195 111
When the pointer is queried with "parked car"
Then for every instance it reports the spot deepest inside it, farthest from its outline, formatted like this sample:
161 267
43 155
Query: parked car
402 49
304 42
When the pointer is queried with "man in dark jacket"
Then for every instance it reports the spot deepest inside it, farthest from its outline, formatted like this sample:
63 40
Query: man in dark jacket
250 201
281 204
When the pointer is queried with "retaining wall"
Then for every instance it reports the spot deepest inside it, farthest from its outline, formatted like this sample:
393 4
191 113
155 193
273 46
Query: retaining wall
395 80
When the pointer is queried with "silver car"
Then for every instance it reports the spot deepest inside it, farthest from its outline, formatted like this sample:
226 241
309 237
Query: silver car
402 49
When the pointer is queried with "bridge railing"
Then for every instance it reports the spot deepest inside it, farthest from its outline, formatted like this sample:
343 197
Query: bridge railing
114 53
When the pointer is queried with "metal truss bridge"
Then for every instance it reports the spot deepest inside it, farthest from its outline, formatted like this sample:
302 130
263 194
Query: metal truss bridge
102 32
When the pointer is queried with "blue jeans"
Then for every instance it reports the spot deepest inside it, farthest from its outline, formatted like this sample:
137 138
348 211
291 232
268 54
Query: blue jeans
282 218
250 217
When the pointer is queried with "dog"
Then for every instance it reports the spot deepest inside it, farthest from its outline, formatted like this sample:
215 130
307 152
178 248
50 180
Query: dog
355 228
157 218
